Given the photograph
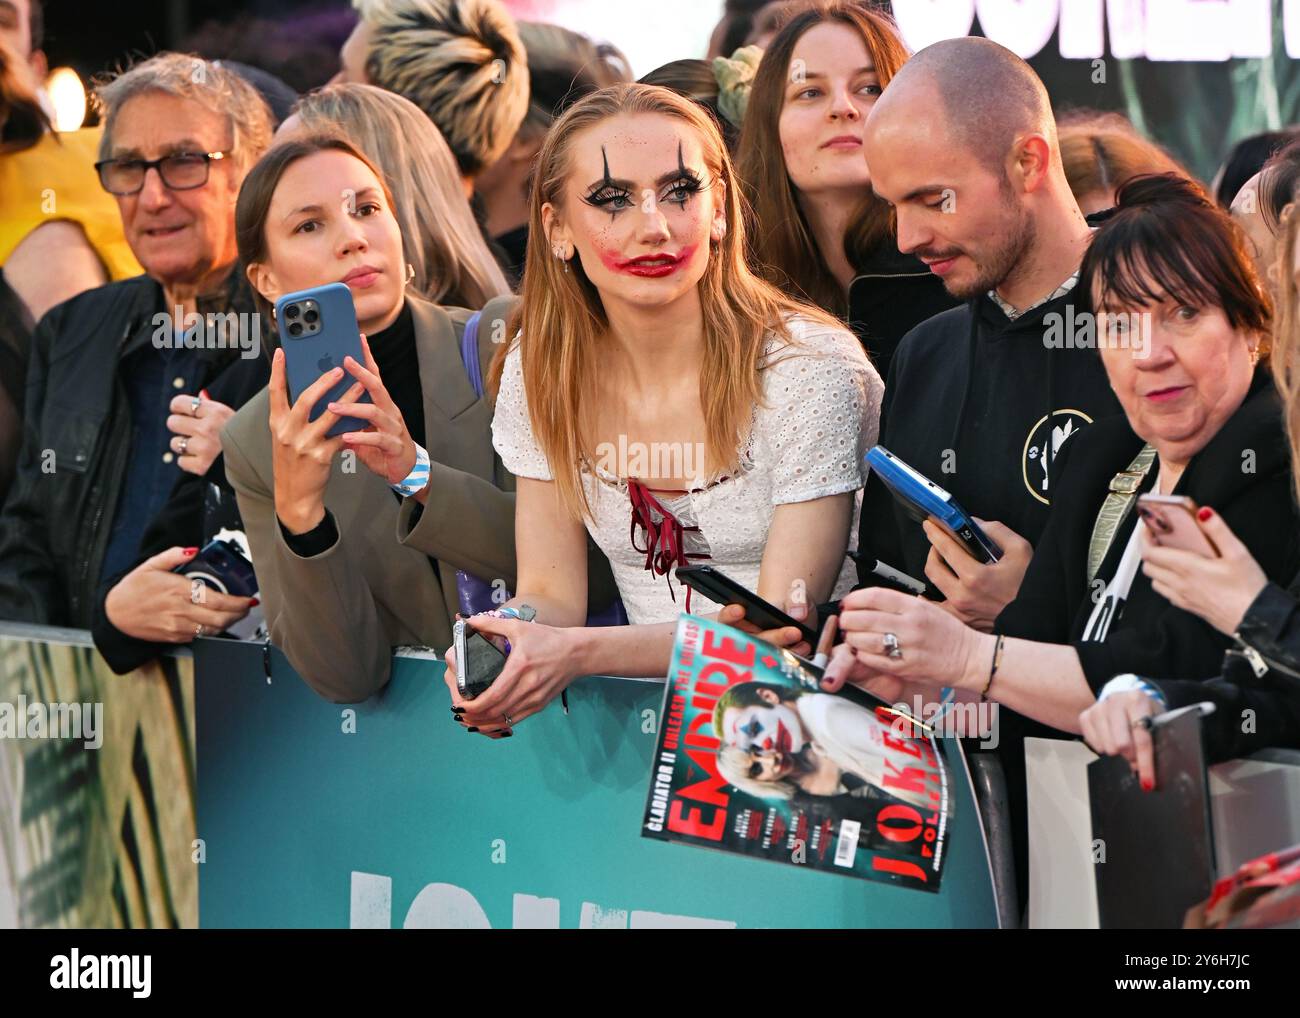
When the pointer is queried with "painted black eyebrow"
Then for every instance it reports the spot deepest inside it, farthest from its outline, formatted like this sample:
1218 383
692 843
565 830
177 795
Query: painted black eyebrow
606 180
664 178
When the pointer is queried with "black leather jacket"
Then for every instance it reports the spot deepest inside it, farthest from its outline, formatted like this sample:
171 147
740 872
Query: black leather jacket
1271 628
1257 699
57 519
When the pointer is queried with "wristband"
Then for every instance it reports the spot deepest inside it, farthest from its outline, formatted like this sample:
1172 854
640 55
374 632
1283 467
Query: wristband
1129 683
524 613
417 478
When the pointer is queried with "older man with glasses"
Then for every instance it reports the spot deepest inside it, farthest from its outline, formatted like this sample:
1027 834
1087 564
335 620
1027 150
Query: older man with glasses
129 384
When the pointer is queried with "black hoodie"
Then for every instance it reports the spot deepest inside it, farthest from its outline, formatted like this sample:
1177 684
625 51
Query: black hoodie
967 404
890 295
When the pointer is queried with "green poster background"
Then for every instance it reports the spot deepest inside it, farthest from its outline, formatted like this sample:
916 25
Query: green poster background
1198 110
96 837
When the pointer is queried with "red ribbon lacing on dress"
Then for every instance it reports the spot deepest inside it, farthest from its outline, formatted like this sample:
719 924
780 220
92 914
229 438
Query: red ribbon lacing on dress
664 540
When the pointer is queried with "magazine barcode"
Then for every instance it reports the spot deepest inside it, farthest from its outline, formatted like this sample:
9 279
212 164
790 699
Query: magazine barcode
846 845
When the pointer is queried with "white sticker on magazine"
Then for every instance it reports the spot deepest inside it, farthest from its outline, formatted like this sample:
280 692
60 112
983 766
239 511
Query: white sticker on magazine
846 845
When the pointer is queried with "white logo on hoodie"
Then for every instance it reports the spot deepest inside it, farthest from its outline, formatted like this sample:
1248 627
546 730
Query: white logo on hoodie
1043 443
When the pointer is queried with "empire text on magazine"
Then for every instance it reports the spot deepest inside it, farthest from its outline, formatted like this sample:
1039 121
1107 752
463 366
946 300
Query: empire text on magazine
754 758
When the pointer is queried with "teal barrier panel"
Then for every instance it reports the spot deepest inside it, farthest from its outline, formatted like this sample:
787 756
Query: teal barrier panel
386 814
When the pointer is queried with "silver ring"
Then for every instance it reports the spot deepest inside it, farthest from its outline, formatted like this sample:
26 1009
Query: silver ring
195 403
510 723
196 592
185 444
892 649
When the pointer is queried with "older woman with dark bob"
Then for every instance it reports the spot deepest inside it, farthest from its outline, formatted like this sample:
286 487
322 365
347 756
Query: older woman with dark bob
1260 681
1182 323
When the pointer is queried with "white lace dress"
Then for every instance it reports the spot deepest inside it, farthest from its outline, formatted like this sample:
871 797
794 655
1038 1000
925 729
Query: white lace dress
822 413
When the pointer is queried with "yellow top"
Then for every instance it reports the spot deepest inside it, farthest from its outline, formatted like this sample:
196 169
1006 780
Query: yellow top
55 179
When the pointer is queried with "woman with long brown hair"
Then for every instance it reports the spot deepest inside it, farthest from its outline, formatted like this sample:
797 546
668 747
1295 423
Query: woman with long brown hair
820 233
657 384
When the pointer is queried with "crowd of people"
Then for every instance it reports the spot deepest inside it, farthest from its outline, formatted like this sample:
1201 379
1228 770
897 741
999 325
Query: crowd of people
768 261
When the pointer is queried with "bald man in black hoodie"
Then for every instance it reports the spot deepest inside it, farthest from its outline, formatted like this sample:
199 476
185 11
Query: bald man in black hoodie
980 398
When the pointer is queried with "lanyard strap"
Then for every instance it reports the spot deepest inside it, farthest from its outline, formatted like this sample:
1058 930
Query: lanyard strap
1124 487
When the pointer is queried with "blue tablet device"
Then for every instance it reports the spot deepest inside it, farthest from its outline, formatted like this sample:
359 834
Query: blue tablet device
922 499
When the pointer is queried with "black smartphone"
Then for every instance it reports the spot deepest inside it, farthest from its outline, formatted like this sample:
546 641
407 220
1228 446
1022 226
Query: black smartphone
222 566
874 573
478 660
1137 888
724 590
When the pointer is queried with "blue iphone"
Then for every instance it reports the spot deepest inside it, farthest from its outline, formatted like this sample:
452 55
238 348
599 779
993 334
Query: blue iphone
318 328
922 499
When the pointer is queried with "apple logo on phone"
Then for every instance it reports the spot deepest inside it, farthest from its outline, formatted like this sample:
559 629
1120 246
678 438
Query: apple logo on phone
326 363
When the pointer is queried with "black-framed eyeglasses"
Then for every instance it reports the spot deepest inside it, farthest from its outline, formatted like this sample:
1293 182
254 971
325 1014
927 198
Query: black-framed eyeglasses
180 171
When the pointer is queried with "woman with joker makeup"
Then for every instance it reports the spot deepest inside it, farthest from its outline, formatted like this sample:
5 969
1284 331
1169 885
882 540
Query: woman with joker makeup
643 327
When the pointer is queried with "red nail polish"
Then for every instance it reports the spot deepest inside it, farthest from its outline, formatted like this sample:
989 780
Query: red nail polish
254 603
1204 513
1147 784
191 551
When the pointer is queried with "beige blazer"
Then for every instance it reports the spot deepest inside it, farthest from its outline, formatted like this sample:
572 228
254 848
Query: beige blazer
337 615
